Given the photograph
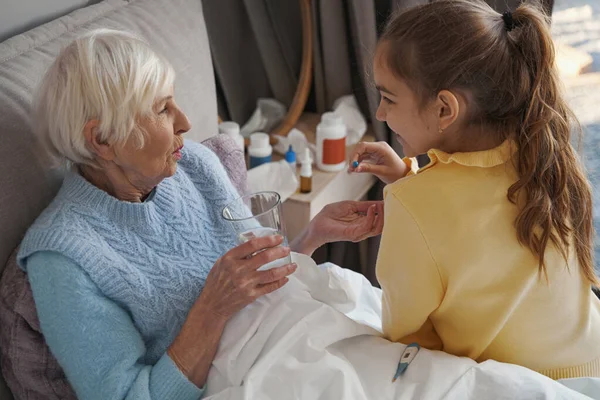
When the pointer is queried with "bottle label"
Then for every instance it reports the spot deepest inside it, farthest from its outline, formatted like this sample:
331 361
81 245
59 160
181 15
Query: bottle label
256 161
334 151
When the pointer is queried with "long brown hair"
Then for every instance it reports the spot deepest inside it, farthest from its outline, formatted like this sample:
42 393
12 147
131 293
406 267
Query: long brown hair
506 64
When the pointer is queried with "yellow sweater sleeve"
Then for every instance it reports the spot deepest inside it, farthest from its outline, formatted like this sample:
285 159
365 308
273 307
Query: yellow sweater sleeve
409 277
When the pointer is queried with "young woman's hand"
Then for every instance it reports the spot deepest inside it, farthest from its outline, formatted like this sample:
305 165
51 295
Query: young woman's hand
346 221
379 159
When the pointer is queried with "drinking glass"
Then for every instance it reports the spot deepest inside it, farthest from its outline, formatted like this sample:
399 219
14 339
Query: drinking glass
257 215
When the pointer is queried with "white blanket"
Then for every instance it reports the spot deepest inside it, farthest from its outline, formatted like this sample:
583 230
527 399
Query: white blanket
319 338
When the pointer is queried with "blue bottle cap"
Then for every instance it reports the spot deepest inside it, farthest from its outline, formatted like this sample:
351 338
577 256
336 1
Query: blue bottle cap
290 156
355 164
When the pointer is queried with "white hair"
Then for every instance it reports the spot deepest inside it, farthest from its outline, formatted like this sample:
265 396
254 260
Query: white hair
106 75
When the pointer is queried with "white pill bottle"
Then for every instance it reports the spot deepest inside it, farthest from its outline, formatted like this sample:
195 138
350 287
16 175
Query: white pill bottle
331 143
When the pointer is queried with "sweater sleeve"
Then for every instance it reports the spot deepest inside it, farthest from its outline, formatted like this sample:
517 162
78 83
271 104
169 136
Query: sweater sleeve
95 340
409 277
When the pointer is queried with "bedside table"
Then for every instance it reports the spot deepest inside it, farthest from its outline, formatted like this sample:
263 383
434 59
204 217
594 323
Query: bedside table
327 187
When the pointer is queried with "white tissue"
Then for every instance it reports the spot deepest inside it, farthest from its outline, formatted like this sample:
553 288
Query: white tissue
277 176
298 141
268 113
347 108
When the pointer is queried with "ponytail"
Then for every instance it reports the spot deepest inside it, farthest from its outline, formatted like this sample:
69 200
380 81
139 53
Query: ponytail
557 201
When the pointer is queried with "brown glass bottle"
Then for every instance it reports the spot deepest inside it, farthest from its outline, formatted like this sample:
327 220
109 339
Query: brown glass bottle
305 184
306 173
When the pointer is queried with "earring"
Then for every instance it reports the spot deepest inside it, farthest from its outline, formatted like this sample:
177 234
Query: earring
441 130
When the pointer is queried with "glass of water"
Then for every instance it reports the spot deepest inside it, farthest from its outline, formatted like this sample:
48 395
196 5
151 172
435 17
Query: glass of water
257 215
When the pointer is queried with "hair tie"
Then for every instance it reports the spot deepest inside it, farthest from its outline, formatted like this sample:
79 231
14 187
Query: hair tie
509 22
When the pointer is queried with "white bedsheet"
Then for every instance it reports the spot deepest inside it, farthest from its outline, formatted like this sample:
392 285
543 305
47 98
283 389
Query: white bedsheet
318 338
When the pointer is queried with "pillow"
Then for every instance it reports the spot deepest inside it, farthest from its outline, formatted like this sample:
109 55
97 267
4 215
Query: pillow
28 367
232 158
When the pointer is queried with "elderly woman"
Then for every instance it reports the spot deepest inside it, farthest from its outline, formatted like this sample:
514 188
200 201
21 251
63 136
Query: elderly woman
133 270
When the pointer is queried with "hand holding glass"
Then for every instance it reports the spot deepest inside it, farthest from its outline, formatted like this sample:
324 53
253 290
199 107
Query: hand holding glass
257 215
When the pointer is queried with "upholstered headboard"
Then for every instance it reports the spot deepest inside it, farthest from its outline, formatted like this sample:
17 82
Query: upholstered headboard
175 28
24 15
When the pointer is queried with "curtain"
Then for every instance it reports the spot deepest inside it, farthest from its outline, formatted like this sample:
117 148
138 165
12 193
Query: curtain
256 48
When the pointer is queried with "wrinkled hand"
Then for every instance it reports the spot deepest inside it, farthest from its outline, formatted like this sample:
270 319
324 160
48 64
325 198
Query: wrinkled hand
347 221
234 281
380 160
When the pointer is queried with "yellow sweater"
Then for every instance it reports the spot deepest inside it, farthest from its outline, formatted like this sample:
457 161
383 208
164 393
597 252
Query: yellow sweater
455 278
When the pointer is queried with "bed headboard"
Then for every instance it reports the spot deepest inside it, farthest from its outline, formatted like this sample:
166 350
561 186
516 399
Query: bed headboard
24 15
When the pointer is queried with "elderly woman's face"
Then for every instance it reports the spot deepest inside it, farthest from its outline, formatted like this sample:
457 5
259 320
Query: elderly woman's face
158 158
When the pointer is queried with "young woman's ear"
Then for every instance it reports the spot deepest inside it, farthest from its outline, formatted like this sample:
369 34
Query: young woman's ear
448 109
100 149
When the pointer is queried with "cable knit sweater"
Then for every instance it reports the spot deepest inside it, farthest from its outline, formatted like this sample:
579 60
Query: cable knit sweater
113 281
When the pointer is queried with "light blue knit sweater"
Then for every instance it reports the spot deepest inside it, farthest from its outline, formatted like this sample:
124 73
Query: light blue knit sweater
113 281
